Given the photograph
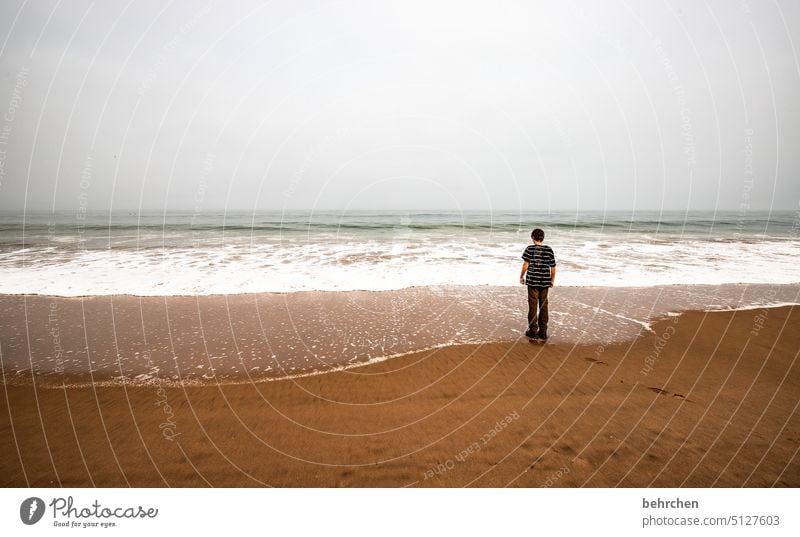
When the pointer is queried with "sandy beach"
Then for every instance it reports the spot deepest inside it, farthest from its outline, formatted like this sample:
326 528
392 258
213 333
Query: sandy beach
696 399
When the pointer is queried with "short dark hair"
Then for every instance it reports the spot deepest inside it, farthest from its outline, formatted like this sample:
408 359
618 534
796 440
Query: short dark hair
537 234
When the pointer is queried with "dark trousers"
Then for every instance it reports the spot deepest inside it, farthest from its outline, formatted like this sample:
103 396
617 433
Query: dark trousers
537 309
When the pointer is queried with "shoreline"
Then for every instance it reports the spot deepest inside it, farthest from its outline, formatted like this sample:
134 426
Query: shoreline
208 339
399 289
718 408
69 382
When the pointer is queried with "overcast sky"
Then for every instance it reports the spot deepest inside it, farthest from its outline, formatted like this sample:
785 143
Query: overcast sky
399 105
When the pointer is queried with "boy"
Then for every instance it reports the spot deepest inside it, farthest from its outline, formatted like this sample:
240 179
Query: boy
539 274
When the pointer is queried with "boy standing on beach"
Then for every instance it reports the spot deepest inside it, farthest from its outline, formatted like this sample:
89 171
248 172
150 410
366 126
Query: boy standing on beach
539 274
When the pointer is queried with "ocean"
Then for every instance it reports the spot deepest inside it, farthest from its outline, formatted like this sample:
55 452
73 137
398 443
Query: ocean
183 253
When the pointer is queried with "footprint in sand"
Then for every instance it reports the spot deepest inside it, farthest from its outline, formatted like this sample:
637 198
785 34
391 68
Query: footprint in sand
659 391
594 360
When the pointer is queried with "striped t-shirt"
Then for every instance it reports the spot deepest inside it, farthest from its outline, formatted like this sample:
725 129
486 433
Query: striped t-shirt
540 259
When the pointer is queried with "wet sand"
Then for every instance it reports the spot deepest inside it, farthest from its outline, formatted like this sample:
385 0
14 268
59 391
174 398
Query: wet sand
698 399
224 338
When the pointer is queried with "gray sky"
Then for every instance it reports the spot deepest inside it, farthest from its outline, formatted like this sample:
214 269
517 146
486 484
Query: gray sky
399 105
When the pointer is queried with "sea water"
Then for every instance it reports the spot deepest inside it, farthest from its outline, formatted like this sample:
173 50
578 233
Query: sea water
185 253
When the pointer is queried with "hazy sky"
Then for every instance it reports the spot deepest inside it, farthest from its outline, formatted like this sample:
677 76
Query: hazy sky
399 105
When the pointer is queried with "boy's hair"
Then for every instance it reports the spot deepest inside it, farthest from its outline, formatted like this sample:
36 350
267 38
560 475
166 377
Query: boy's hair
537 234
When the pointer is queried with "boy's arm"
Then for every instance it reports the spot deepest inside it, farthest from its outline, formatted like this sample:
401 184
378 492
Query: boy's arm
552 276
524 270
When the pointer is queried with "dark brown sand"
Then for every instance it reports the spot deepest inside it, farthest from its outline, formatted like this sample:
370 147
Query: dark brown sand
705 399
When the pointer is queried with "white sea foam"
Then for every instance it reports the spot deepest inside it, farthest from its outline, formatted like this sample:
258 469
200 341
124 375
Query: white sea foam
340 267
380 252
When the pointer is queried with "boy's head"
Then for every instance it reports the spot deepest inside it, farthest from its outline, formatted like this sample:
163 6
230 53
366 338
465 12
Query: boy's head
537 235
